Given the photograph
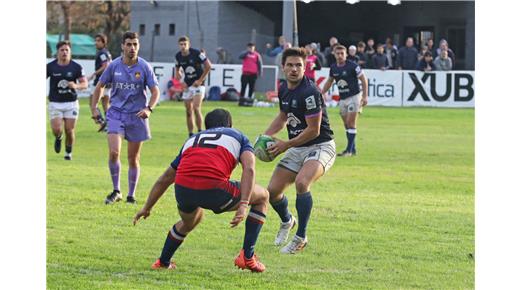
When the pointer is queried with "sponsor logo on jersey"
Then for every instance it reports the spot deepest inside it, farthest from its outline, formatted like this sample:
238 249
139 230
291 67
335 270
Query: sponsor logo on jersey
294 104
118 73
292 120
69 74
63 84
56 74
310 103
137 75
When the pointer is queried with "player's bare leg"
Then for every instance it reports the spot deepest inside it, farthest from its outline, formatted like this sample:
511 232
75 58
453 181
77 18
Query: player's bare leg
70 137
134 155
56 127
189 115
197 104
309 173
280 180
114 165
247 258
176 236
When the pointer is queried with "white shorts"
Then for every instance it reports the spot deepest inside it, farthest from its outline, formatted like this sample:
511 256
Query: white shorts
192 91
295 157
67 110
350 104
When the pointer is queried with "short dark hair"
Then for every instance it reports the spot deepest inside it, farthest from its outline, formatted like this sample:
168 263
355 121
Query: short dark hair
102 37
361 44
218 118
184 38
250 44
379 45
428 53
130 35
340 47
294 51
62 43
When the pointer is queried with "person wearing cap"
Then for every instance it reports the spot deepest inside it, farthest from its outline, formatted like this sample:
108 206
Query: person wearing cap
426 64
251 69
352 54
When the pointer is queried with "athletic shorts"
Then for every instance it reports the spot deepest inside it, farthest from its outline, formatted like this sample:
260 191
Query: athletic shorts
192 91
128 125
67 110
295 157
223 197
350 104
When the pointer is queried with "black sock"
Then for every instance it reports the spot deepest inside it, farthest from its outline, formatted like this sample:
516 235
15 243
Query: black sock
254 223
173 241
68 149
304 207
281 207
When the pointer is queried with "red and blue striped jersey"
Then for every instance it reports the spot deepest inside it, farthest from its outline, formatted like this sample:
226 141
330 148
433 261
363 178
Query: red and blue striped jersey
209 157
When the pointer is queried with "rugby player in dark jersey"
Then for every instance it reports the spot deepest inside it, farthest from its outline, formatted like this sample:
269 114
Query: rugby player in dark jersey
311 150
66 76
103 58
347 75
191 61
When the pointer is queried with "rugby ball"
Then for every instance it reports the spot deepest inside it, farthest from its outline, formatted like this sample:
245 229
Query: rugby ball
261 144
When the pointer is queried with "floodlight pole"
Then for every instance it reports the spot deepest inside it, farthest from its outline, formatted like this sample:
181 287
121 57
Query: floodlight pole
295 25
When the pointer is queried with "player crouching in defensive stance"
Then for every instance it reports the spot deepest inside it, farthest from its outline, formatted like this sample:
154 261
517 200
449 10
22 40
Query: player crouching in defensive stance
201 174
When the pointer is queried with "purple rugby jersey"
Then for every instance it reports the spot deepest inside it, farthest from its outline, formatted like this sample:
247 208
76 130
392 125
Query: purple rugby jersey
129 84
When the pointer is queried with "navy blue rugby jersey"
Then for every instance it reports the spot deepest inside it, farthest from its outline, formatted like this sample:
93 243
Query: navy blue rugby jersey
60 76
102 56
304 101
191 65
346 77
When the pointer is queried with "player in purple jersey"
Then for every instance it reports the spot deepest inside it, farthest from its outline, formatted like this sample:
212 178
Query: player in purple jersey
191 61
103 58
129 75
347 75
311 150
66 76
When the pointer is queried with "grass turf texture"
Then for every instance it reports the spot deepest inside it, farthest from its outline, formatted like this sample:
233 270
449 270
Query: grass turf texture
399 215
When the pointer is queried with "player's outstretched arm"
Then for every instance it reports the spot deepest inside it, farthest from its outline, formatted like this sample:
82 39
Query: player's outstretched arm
158 189
277 124
247 159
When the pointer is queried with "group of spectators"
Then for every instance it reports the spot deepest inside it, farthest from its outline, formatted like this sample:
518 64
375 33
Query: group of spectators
379 56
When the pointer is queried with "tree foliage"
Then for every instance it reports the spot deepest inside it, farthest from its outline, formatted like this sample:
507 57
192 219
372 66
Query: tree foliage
90 17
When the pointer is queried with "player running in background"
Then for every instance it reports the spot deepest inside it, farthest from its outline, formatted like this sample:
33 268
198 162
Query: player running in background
128 114
346 74
66 76
201 174
191 61
311 150
103 58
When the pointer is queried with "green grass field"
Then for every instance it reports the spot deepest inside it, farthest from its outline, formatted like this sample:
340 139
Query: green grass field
400 215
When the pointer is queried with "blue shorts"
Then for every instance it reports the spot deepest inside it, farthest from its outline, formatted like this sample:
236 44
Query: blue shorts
219 199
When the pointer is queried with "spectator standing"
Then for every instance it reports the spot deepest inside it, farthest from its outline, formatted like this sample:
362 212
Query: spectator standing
443 45
329 52
379 60
363 59
443 62
278 62
426 64
370 51
316 51
312 63
429 44
273 52
407 58
251 69
391 53
352 54
424 49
